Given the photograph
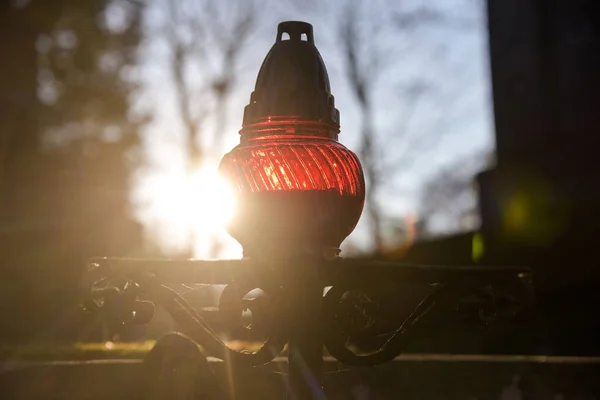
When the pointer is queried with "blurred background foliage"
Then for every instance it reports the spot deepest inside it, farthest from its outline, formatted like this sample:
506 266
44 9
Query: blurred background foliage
68 142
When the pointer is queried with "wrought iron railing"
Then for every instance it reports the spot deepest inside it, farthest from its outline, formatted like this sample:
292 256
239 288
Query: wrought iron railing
309 304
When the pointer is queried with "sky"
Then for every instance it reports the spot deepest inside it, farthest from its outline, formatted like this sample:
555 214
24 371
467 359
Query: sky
450 58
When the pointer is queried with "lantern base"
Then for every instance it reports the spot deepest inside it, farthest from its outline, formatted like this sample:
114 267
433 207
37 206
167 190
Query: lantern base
282 252
294 222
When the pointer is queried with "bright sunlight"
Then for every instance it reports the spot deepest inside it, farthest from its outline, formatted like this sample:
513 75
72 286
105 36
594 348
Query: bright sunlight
193 208
210 200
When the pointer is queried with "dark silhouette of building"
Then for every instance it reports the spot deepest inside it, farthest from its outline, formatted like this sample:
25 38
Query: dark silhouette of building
541 204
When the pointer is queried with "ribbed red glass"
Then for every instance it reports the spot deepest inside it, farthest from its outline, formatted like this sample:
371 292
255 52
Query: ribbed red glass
298 188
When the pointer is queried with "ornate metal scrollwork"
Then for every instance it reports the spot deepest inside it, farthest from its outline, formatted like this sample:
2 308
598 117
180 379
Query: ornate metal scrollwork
343 325
193 325
267 314
352 311
265 307
357 305
119 301
498 301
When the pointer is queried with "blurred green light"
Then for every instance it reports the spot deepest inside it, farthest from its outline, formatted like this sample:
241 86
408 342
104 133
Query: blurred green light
477 247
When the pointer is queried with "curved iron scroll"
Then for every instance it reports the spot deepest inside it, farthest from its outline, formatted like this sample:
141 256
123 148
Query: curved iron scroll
121 299
488 304
344 315
197 328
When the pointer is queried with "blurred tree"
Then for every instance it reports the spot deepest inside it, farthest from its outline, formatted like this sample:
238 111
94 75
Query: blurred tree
66 166
18 74
448 202
207 36
204 41
403 106
86 69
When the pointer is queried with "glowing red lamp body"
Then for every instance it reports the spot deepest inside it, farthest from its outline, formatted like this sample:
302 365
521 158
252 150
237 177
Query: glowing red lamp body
299 190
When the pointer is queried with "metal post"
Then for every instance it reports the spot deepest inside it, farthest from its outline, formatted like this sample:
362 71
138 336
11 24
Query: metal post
305 344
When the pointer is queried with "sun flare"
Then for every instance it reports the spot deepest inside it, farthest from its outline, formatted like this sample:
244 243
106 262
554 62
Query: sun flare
209 199
193 206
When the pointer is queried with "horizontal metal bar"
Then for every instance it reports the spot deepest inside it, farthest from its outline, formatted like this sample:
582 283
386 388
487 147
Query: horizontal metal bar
404 358
212 272
344 270
333 272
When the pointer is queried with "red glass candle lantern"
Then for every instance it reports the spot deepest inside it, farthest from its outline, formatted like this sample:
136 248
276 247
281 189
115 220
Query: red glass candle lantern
299 191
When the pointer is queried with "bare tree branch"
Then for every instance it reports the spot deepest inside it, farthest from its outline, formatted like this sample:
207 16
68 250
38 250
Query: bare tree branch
205 39
362 32
361 70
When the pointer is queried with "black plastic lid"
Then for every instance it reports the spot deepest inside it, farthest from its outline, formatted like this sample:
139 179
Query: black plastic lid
292 80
